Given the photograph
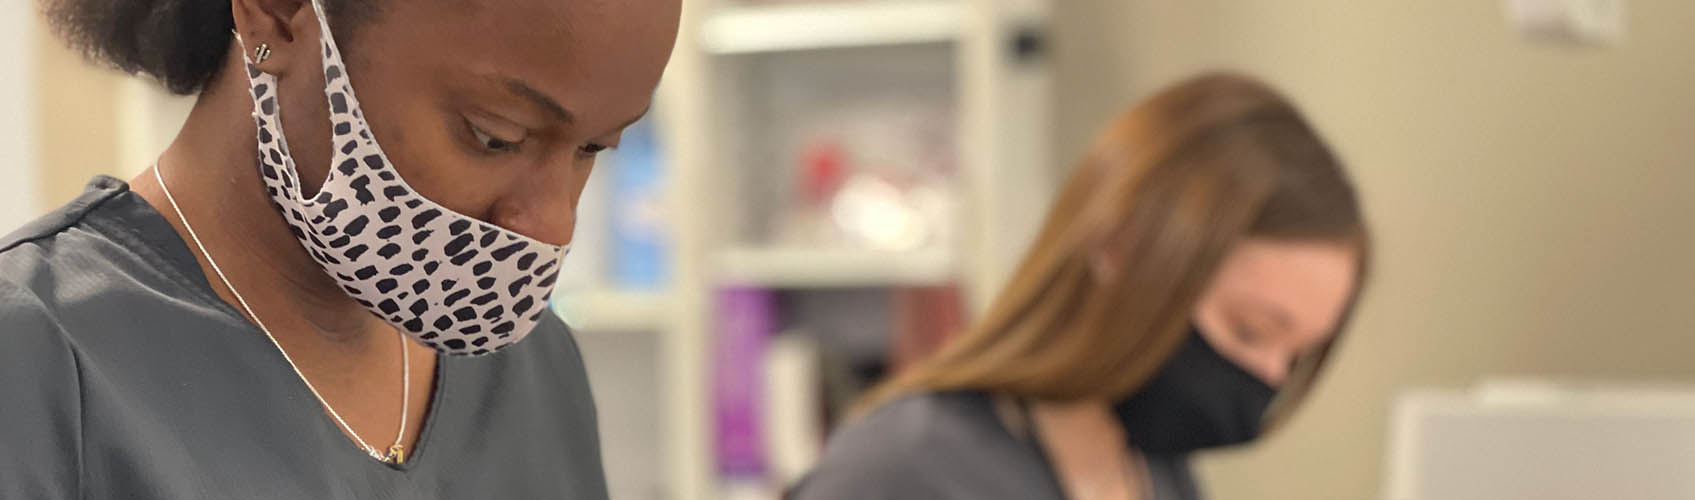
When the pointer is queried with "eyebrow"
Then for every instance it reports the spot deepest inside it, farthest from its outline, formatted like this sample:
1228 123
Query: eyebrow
638 117
553 107
540 99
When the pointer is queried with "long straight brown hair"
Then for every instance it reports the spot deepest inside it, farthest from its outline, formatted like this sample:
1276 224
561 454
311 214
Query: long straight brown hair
1163 195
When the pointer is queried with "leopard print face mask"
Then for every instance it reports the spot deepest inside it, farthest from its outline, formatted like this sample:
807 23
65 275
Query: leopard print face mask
450 281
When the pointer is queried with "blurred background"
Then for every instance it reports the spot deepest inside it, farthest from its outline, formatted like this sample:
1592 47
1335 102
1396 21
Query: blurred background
826 190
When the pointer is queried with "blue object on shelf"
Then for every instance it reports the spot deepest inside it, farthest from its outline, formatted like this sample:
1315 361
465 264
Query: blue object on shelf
641 244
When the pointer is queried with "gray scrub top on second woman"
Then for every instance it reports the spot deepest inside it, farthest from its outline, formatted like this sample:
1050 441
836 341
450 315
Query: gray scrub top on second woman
951 446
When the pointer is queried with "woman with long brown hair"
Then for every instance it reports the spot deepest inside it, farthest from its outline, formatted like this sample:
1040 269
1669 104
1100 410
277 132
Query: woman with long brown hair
1182 295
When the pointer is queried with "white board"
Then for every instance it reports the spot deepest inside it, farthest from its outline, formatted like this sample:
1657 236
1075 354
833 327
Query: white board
1544 443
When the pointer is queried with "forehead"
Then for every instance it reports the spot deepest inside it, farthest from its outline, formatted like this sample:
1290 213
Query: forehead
591 55
1307 284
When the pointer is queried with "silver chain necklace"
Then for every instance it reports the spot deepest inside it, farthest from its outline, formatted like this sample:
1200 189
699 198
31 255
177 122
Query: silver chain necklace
396 452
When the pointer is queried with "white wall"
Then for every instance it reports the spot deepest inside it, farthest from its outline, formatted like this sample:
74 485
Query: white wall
19 187
1532 203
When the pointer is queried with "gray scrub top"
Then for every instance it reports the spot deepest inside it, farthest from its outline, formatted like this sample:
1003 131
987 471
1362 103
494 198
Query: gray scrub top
122 375
951 446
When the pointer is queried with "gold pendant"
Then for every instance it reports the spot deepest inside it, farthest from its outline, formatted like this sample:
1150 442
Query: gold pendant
397 454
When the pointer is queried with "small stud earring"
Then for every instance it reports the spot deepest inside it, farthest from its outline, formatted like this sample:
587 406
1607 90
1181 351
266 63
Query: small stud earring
262 53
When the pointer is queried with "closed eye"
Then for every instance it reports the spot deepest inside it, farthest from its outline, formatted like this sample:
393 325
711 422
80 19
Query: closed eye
1246 335
493 143
603 143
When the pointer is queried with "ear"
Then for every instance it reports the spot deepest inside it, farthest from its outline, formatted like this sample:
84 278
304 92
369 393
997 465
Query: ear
1102 266
288 28
1106 256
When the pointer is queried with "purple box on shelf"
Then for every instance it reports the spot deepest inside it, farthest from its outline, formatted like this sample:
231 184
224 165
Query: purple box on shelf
746 321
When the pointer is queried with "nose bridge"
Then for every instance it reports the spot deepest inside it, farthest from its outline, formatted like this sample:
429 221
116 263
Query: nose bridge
1276 371
542 205
1271 365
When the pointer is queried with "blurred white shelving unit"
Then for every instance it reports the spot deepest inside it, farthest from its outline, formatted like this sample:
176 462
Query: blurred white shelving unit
611 310
745 30
792 268
728 98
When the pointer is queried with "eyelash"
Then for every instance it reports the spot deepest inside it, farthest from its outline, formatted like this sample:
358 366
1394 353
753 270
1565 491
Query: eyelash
491 144
1247 335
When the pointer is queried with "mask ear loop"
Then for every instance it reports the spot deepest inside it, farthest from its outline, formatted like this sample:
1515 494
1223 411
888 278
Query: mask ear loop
242 43
253 72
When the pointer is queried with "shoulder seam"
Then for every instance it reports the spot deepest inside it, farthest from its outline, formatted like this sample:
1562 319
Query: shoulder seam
81 213
82 419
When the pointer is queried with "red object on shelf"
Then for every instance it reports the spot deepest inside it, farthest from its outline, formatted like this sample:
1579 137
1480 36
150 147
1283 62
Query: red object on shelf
823 169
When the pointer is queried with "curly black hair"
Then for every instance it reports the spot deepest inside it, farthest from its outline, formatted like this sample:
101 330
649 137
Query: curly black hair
180 43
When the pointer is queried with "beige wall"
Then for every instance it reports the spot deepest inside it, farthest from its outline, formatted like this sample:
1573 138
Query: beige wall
1532 202
77 125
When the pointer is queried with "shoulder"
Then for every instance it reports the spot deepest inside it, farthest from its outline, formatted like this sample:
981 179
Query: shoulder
912 447
36 270
26 241
58 274
32 335
934 422
56 260
43 280
96 262
41 423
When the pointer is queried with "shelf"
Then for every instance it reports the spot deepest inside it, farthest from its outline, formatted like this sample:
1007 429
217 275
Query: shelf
808 268
747 30
613 311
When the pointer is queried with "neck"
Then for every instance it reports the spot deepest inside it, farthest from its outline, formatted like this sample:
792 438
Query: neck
1086 446
211 170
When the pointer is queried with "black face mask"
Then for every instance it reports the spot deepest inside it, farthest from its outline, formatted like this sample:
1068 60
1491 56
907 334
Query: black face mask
1198 400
